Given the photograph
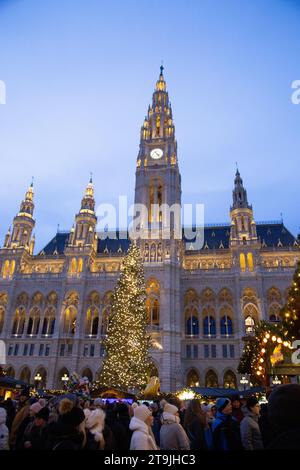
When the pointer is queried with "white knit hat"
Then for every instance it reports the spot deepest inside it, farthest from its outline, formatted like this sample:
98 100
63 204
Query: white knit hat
142 412
171 409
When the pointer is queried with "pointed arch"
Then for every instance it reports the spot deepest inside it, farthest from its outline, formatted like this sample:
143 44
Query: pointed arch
193 378
10 372
19 321
63 373
42 373
25 374
33 321
153 302
86 372
106 309
229 379
211 379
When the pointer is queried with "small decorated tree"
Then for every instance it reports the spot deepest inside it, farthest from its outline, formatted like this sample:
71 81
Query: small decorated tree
126 346
272 343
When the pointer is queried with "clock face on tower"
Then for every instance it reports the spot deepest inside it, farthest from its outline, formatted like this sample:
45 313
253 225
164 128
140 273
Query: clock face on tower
156 154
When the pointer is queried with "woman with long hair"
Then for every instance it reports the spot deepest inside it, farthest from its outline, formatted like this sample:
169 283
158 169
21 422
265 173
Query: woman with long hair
195 423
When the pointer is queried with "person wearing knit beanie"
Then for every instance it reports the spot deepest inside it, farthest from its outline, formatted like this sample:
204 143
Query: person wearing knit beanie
225 428
172 434
284 416
35 408
223 405
142 437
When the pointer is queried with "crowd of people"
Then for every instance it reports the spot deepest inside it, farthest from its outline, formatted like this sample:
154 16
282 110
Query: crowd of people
68 423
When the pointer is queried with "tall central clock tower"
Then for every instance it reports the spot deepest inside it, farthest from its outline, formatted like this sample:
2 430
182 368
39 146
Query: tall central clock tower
158 188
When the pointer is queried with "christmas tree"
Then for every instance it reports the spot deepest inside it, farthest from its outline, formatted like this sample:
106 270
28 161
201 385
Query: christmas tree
272 343
126 345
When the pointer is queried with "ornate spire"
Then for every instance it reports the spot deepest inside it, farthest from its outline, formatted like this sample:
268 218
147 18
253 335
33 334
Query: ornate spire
88 201
158 128
239 193
27 205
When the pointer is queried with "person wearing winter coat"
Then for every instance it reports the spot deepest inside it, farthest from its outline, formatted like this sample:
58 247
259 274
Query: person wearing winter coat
172 434
36 435
195 423
225 428
142 437
4 433
18 423
68 433
249 427
284 417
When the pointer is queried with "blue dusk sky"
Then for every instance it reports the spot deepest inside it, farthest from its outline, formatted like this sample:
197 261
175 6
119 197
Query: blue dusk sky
79 77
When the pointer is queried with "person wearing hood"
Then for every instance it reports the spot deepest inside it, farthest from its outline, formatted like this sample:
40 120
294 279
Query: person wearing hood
4 433
142 437
172 434
284 417
225 428
249 427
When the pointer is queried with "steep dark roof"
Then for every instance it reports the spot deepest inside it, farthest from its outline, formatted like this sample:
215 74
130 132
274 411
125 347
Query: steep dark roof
56 245
215 237
269 234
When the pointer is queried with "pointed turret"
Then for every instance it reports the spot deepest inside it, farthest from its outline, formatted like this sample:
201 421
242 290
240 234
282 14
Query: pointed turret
23 223
243 227
85 221
239 193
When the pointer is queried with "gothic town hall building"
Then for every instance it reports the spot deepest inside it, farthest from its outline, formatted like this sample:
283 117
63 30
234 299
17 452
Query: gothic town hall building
55 305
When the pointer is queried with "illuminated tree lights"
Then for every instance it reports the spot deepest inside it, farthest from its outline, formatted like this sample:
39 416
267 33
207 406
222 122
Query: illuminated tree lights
126 361
271 343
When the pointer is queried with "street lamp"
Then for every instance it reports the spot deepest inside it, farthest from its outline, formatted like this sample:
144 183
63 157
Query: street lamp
276 380
38 379
65 379
244 381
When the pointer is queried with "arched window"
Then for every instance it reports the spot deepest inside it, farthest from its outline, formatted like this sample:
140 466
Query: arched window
19 322
33 322
62 378
193 379
242 262
10 372
229 380
209 326
70 318
192 326
152 307
3 304
152 302
88 374
211 379
250 261
106 312
40 378
226 326
25 374
49 322
92 321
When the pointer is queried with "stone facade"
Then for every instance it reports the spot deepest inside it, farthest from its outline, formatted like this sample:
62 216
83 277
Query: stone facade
54 305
